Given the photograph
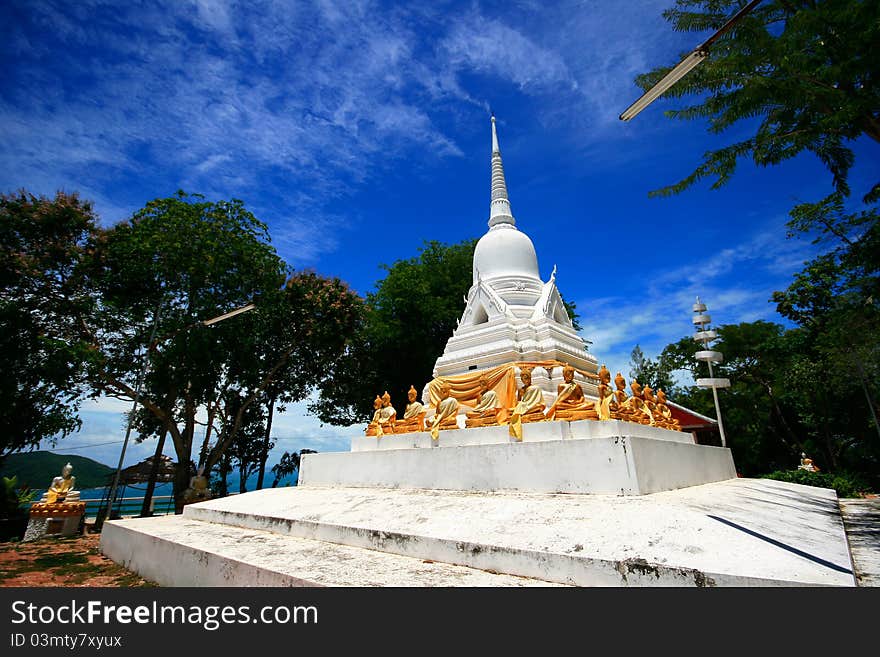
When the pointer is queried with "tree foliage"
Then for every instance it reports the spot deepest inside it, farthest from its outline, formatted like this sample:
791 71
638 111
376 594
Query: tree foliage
91 299
43 361
646 371
786 397
288 464
805 72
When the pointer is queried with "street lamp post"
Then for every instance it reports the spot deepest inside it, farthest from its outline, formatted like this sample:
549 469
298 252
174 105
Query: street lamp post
111 499
705 335
684 67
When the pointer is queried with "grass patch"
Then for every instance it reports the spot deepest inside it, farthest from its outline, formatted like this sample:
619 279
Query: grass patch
57 560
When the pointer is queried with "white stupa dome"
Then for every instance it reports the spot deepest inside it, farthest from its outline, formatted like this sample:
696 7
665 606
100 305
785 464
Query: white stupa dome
505 251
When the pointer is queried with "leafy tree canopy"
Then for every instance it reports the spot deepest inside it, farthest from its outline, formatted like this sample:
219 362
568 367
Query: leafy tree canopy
805 72
42 359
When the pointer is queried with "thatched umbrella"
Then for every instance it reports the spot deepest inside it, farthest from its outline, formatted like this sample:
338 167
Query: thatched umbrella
139 473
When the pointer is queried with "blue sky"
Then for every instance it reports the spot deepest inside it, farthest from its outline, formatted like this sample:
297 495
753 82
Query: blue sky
358 130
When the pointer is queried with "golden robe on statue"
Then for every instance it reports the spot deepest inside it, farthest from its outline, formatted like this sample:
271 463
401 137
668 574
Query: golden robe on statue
444 417
530 407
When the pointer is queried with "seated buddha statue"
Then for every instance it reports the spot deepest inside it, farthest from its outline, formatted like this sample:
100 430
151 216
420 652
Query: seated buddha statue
199 488
445 412
807 464
650 402
414 415
606 394
387 414
570 402
636 404
529 408
619 408
373 426
485 413
667 422
61 488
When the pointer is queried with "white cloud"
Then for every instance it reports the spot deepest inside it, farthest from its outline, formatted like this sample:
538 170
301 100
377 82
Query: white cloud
659 312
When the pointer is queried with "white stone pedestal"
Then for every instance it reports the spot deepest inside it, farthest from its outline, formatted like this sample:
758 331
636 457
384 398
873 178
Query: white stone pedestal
586 456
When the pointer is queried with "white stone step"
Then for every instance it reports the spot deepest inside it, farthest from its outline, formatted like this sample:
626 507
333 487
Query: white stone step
179 551
741 532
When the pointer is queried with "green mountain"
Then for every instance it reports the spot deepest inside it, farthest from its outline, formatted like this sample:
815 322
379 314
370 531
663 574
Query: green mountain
37 469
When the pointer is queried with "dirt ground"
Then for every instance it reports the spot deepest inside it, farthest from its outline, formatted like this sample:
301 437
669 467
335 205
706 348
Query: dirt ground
74 561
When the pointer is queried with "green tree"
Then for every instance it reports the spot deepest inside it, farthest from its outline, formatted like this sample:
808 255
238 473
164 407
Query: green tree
181 260
650 372
288 464
804 73
409 318
43 361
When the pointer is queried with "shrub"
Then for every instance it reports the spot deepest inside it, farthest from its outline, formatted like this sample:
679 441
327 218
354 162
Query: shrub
846 484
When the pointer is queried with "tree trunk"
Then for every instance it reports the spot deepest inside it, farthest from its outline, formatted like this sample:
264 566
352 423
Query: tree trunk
224 472
242 477
265 455
154 473
181 483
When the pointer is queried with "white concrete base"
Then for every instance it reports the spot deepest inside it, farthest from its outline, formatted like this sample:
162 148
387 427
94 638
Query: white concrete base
179 551
741 532
625 465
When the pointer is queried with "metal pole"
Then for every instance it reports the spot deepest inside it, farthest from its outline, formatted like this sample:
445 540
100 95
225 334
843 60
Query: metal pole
717 407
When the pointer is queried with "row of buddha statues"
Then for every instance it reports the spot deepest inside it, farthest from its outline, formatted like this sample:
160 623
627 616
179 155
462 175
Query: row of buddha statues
643 406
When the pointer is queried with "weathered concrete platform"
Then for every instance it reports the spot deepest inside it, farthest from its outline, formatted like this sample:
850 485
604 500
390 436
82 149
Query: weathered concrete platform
179 551
635 463
740 532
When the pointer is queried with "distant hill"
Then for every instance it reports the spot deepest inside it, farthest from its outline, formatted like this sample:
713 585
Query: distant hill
37 469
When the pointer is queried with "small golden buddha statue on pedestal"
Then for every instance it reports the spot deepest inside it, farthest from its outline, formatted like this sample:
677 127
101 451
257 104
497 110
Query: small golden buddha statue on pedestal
485 413
807 464
62 488
570 402
413 416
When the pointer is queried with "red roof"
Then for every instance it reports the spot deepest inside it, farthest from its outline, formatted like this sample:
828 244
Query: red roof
690 420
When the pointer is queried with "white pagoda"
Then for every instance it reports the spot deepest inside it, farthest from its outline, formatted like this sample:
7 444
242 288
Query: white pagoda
511 315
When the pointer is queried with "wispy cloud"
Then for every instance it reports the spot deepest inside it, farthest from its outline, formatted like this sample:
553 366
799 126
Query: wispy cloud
736 282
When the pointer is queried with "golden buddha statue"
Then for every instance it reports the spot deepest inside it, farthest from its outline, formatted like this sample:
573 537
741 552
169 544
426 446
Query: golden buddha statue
636 404
373 426
199 489
807 464
62 488
387 415
445 412
485 413
570 402
606 394
618 406
529 408
650 402
413 416
665 413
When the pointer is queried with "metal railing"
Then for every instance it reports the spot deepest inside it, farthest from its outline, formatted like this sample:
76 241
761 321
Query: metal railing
128 507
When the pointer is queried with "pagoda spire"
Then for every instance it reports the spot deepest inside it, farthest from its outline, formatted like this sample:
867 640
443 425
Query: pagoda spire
499 209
